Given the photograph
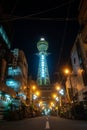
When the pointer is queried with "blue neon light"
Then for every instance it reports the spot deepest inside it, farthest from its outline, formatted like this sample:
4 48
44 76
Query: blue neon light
4 36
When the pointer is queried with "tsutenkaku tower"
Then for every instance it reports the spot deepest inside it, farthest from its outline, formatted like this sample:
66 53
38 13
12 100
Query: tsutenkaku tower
43 75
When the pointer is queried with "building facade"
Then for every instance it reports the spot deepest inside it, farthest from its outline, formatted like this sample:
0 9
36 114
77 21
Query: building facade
17 74
77 80
78 58
13 74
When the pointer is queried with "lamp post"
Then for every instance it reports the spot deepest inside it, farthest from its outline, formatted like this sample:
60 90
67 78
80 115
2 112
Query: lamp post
36 96
70 88
33 89
58 88
70 93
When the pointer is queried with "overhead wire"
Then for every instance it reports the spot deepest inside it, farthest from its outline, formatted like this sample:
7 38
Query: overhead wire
14 7
10 18
63 39
42 19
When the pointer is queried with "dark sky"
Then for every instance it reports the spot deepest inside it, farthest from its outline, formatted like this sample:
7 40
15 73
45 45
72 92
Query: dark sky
55 20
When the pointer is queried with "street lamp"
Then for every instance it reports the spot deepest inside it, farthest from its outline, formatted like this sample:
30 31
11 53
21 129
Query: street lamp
32 91
34 87
37 93
70 94
60 93
57 98
70 88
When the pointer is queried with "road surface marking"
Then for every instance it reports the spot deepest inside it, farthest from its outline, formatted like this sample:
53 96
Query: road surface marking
47 125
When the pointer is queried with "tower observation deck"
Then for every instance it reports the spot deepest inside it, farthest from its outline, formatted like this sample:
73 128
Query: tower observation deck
43 75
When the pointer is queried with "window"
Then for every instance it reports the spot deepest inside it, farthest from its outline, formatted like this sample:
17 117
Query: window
74 60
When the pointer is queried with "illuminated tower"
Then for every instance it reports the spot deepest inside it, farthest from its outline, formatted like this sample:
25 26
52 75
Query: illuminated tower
43 75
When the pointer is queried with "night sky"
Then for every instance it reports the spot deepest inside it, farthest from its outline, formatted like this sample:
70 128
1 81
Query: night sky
55 20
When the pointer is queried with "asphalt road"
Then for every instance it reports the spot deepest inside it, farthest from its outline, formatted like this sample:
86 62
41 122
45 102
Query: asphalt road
43 123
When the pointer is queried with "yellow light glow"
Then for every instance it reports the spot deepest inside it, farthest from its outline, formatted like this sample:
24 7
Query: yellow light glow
37 93
40 102
57 87
52 104
54 95
34 87
25 87
67 71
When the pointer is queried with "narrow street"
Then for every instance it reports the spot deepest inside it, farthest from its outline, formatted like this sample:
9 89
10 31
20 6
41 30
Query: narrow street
43 65
42 123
